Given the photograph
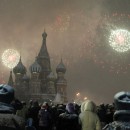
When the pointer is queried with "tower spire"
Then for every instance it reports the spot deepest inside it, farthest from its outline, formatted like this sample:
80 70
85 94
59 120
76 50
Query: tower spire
61 60
20 59
10 82
44 35
43 51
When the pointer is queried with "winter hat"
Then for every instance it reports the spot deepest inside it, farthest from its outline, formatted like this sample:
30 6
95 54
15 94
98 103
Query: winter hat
6 93
45 105
70 108
122 101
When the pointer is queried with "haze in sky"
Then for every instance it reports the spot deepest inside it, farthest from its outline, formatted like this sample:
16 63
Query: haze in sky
78 32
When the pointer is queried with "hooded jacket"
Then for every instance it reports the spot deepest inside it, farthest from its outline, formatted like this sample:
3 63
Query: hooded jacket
8 121
88 118
122 114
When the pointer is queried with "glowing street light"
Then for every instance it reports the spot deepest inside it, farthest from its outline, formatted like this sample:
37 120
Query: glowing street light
78 94
85 98
78 98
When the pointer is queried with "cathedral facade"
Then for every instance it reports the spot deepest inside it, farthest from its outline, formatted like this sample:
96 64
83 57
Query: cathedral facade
42 84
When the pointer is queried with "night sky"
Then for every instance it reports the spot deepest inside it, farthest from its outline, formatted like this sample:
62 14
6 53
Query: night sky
78 32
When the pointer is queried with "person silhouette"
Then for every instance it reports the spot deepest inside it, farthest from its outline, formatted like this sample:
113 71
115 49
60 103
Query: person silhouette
122 114
8 120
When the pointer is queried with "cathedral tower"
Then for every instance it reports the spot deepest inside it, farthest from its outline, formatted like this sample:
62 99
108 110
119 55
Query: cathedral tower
35 82
61 83
51 84
19 72
43 59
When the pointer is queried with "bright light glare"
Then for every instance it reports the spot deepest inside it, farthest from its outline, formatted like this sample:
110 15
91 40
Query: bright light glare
85 98
78 94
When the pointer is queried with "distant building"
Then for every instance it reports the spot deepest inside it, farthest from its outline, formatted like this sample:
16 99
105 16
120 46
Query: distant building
41 84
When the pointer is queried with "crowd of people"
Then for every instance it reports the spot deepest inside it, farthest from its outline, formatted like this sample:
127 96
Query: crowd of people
19 115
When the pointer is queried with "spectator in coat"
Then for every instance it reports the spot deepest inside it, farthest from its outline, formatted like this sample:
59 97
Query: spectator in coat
17 105
33 113
102 111
109 114
45 119
122 114
23 112
9 121
30 104
88 118
68 120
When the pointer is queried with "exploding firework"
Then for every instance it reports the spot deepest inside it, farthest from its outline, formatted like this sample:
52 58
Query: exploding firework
102 54
10 58
61 22
120 40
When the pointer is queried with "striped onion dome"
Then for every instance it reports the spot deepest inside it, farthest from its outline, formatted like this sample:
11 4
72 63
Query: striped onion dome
35 67
19 68
61 67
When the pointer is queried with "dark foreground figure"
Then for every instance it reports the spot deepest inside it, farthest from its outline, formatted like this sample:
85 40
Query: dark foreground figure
122 113
8 120
69 119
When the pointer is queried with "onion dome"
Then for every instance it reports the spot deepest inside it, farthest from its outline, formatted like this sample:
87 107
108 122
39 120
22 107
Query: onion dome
61 67
44 35
35 67
25 78
51 76
20 68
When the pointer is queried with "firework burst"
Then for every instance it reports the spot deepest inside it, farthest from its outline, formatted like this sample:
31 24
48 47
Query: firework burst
10 58
61 23
120 40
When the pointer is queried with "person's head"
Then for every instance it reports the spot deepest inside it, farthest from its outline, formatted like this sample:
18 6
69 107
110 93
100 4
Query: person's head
122 106
122 101
60 106
23 103
70 108
44 105
35 104
6 93
30 102
88 106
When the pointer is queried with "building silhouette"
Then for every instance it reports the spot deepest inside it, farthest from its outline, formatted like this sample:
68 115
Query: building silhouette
42 84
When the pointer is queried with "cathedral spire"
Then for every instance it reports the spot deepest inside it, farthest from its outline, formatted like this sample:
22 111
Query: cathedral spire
43 51
20 59
10 82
